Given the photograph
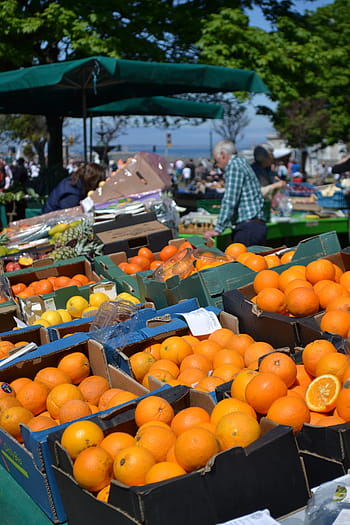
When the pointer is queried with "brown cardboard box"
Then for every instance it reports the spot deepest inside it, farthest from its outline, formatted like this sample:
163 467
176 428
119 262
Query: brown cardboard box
145 173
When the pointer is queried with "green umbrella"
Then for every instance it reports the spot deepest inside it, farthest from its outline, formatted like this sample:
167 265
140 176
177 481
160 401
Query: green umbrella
158 106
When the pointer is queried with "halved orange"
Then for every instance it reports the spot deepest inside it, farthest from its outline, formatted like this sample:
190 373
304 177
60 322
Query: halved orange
321 394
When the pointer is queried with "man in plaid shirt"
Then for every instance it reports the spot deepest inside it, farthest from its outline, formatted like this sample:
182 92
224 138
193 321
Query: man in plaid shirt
242 203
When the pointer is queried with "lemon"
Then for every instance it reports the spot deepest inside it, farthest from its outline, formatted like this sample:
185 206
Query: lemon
75 305
58 228
66 316
52 317
125 296
96 299
41 322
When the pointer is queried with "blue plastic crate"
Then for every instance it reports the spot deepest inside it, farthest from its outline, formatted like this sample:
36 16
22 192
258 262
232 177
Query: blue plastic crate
301 189
338 200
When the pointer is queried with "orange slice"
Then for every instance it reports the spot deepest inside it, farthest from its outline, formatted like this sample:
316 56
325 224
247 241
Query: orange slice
321 394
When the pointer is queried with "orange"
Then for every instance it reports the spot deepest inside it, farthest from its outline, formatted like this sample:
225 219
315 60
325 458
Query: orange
328 421
154 350
266 279
263 390
158 440
271 300
240 382
81 278
103 494
243 257
321 284
140 363
187 418
341 303
241 342
51 376
225 357
196 361
256 262
165 364
44 286
17 384
208 348
146 252
167 252
194 447
344 279
106 397
191 376
7 402
280 364
343 402
320 269
73 409
333 363
321 394
93 387
93 469
237 429
209 384
155 264
289 275
175 348
228 405
235 248
336 322
33 397
153 408
162 375
76 365
163 470
223 336
41 423
17 288
121 397
313 352
61 281
191 339
291 411
297 283
302 302
11 418
256 350
286 257
226 372
272 260
132 464
59 395
144 262
80 435
303 377
330 292
117 441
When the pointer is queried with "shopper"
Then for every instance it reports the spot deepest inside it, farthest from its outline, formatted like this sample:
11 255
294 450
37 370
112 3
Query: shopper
71 190
242 203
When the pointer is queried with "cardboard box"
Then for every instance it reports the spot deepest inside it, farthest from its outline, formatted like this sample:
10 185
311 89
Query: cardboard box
30 464
145 173
8 311
267 474
33 334
66 267
128 233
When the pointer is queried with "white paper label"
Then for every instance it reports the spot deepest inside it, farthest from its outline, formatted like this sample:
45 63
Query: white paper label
343 517
107 287
50 304
201 321
261 517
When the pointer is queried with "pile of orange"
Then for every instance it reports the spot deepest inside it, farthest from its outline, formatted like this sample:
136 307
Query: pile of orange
7 346
45 286
304 290
239 252
166 444
56 395
202 364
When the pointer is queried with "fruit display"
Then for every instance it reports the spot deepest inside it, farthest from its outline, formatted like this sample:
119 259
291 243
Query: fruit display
74 239
49 285
7 347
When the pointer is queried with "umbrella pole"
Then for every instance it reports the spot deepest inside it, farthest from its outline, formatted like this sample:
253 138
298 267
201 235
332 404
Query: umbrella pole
90 139
84 124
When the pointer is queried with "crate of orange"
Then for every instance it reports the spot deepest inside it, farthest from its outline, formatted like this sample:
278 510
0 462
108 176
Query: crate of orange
184 460
58 383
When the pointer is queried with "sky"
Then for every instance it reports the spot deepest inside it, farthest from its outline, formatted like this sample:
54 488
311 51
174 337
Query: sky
204 136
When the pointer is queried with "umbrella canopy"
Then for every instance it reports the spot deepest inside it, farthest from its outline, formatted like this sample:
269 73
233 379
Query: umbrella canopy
68 88
158 106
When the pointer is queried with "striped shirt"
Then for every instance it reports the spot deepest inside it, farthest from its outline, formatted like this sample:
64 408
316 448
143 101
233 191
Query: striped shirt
242 199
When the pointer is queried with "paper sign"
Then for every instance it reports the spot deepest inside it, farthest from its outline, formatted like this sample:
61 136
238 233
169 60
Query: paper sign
202 321
262 517
343 518
107 287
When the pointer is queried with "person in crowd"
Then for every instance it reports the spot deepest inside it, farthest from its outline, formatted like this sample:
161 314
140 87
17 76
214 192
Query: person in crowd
282 170
74 188
269 181
5 175
186 176
242 203
342 165
19 182
71 166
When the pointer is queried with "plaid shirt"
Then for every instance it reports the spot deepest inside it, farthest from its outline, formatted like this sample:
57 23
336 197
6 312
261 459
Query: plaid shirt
242 199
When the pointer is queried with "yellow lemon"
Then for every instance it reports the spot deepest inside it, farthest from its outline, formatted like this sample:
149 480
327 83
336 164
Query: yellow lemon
96 299
67 335
90 311
75 305
52 317
58 228
42 322
66 316
128 297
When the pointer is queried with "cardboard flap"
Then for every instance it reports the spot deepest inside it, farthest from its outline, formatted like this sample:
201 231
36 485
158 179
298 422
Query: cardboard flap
318 246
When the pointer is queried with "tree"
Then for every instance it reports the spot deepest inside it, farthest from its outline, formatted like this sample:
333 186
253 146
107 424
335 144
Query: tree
235 118
17 128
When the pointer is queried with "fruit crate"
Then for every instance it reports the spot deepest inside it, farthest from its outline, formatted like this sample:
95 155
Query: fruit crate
301 189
